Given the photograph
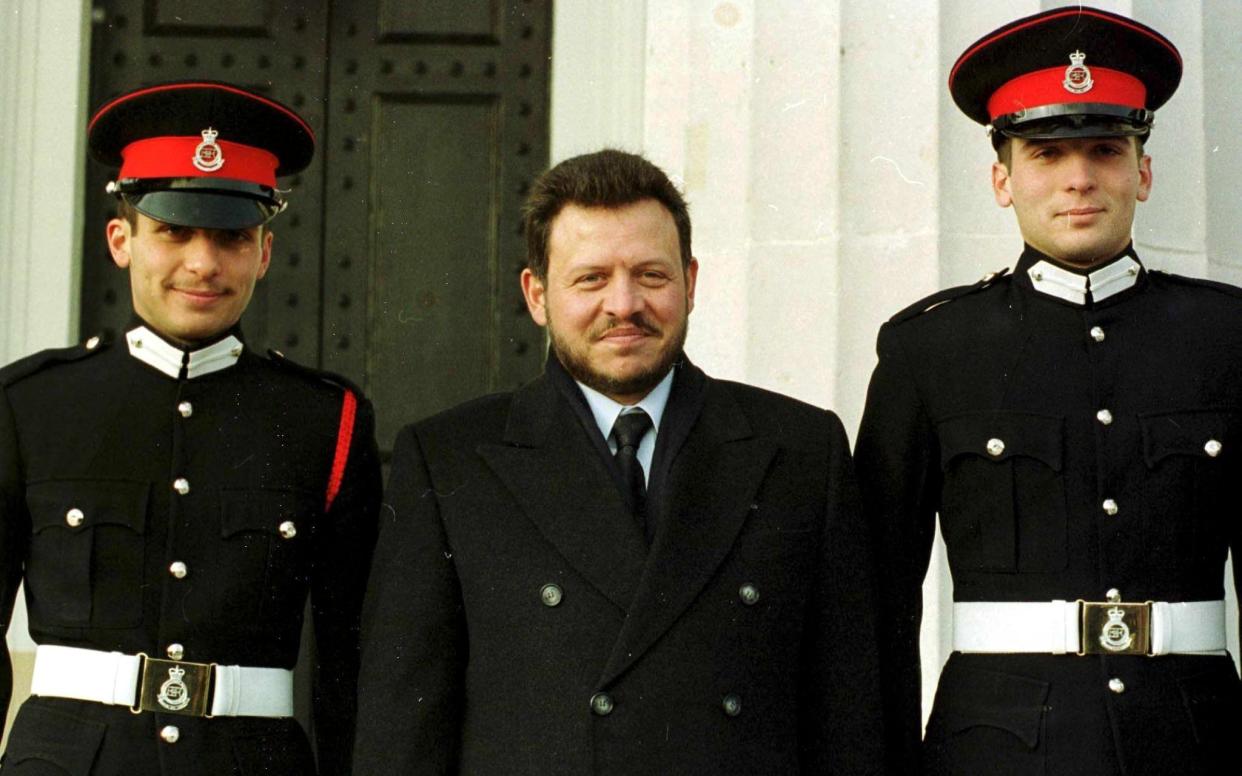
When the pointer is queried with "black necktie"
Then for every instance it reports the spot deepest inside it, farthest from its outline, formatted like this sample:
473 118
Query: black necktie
628 430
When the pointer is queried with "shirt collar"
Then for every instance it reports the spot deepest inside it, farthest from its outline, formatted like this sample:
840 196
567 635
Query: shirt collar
606 411
1056 280
151 349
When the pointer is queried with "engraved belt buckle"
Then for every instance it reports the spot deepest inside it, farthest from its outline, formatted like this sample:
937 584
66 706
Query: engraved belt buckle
1113 628
174 687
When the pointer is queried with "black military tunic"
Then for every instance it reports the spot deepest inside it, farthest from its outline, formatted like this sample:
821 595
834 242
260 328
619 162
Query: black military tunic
1071 448
160 514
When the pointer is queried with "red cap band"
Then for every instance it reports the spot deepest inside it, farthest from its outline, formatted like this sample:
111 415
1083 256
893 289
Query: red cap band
1047 87
175 157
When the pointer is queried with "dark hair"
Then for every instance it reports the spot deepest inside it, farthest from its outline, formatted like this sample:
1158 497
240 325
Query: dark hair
607 178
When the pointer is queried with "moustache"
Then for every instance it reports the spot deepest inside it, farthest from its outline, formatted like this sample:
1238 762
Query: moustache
635 321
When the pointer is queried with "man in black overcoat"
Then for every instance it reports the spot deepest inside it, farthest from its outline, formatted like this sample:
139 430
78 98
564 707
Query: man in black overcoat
170 499
1077 425
625 566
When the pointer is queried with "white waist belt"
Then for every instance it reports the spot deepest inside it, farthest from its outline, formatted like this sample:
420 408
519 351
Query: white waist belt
116 679
1057 627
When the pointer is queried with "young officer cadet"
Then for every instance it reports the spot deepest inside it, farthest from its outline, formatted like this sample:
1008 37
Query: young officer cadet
171 499
1077 425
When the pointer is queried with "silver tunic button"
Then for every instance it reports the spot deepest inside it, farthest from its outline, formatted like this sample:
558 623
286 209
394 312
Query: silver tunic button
92 343
749 594
1116 685
1213 447
601 704
1104 416
1110 506
995 447
186 409
170 734
288 530
1097 334
175 651
732 705
181 485
1113 595
551 594
178 569
74 517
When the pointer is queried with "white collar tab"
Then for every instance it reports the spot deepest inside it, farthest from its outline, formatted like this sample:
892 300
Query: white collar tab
1110 280
149 348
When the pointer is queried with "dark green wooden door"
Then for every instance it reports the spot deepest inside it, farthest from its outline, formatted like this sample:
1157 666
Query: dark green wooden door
397 261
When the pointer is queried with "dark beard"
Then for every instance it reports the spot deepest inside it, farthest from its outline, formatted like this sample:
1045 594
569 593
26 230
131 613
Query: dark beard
636 385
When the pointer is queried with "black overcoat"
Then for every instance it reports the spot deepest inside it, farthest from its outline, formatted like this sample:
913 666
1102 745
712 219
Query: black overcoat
741 642
1110 400
94 429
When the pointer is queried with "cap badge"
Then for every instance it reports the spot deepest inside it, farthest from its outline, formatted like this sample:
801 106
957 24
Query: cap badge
1077 75
207 155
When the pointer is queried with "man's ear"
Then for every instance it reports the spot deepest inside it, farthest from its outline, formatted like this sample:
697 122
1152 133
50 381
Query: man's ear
266 261
1000 184
536 297
1144 178
118 235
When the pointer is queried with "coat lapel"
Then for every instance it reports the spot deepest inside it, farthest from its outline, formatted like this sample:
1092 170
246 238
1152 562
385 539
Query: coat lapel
551 467
711 485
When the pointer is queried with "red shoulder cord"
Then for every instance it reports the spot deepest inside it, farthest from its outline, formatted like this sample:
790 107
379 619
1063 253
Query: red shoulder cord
343 436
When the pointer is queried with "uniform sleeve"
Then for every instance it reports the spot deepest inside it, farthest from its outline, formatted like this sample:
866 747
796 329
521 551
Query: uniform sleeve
342 560
414 639
14 535
899 474
839 698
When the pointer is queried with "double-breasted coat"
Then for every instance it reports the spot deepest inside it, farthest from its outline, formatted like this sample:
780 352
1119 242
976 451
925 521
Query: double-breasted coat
146 509
517 622
1072 449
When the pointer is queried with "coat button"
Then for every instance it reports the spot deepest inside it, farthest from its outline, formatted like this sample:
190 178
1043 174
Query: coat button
1104 416
601 704
186 409
1116 685
74 517
1113 595
551 594
169 734
732 705
92 343
1110 507
1213 447
749 594
181 485
1097 334
288 530
175 651
178 569
995 447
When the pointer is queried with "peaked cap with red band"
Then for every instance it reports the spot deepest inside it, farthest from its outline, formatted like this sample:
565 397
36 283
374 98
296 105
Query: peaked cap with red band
1067 72
200 153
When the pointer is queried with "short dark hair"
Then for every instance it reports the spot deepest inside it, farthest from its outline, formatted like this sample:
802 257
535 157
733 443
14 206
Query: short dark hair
607 178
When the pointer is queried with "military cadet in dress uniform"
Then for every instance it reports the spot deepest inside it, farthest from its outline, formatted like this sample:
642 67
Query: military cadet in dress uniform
1077 425
625 566
170 499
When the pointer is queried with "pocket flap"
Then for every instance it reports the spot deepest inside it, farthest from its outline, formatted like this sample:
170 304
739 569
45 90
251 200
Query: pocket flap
46 734
994 699
1187 432
263 510
999 436
99 502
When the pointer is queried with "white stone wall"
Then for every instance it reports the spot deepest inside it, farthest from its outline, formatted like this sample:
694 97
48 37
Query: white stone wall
830 177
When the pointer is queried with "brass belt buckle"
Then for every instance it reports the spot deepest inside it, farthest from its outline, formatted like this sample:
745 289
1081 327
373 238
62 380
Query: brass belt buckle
1114 628
174 687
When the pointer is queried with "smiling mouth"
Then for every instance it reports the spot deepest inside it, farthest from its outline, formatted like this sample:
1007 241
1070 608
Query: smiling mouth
200 294
1082 211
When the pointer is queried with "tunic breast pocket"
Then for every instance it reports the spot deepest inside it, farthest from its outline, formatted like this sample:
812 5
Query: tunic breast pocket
1192 457
1003 507
86 552
266 556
